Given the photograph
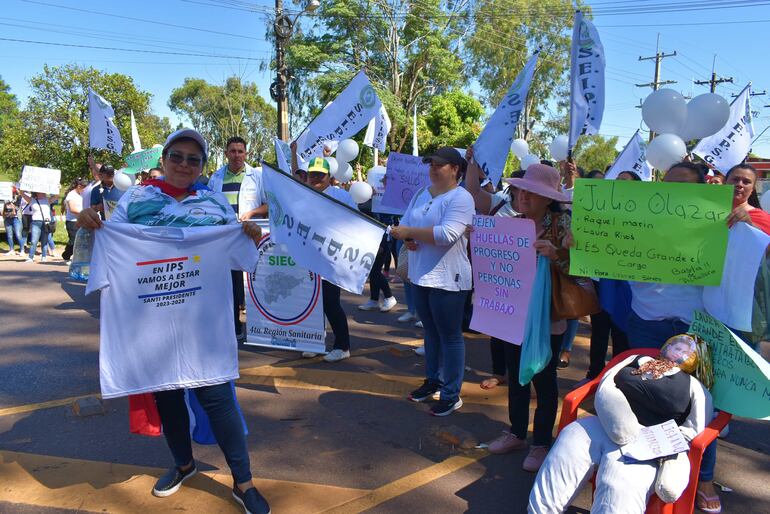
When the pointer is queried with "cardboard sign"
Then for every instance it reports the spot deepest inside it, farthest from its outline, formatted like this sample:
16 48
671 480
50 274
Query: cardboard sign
6 191
406 174
662 232
40 180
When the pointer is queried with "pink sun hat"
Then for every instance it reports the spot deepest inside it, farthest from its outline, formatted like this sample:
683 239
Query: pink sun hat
542 180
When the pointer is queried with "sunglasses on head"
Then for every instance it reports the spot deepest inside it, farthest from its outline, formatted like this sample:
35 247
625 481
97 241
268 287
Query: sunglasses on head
194 161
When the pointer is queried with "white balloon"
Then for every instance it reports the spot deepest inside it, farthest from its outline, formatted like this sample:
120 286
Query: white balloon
375 175
764 201
558 147
666 150
361 192
344 173
333 165
528 160
121 181
520 148
706 115
665 111
347 150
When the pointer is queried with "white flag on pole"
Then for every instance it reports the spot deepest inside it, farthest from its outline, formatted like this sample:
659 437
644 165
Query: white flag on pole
586 80
491 149
415 150
632 158
283 155
102 132
340 244
135 134
732 143
344 117
378 130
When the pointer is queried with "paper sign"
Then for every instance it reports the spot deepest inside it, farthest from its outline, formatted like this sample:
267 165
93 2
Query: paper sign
655 442
504 264
378 207
741 375
6 191
142 161
406 174
662 232
40 180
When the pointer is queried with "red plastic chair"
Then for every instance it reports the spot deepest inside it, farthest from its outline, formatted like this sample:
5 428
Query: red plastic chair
686 503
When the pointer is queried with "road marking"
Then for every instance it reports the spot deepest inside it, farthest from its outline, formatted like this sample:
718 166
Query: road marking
30 407
77 484
404 485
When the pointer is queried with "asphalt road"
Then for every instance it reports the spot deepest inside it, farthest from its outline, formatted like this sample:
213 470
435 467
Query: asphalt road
323 437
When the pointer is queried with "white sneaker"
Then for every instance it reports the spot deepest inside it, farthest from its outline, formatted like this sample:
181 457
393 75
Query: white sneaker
388 304
420 350
369 306
309 355
406 317
10 252
337 355
43 259
28 260
418 324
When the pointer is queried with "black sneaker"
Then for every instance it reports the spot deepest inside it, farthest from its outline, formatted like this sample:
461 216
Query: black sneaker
425 391
446 407
170 483
251 501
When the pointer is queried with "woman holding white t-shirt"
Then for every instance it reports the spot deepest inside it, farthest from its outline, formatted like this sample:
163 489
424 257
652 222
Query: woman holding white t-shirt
433 228
174 201
73 204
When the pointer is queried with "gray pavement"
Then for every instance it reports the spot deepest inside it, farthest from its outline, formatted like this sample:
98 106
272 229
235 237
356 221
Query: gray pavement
337 438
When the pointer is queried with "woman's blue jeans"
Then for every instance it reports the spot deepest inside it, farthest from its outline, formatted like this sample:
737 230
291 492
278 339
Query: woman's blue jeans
36 230
13 231
569 335
441 313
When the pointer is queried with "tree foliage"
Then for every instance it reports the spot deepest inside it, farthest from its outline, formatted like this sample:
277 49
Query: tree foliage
222 111
453 119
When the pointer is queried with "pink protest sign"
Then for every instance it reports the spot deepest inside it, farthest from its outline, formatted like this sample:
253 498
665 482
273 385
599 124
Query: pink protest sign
504 265
406 175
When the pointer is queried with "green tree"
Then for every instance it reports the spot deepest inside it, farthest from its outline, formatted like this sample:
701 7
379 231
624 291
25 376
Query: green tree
56 118
410 51
453 119
232 109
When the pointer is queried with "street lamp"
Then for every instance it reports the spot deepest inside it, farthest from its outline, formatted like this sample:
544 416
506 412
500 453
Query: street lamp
284 28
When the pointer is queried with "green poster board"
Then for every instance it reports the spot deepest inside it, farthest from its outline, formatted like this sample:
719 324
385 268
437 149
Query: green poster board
670 233
741 375
143 160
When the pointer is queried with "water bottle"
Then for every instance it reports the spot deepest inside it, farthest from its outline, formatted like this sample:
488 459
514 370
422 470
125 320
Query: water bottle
81 256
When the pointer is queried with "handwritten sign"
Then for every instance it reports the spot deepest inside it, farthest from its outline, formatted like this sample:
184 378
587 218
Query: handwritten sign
6 191
406 174
741 375
655 442
670 233
144 160
504 264
40 180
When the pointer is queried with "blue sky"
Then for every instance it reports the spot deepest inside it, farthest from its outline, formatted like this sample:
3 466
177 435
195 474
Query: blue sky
735 35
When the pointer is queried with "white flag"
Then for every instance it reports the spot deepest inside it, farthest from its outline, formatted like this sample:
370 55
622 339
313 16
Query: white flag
491 149
378 130
283 155
135 134
344 117
632 158
732 143
102 132
415 150
340 244
586 80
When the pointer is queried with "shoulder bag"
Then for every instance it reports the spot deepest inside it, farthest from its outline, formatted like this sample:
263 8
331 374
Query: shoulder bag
571 297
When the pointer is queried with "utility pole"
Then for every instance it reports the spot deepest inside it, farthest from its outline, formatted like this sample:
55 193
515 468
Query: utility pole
714 80
656 82
278 88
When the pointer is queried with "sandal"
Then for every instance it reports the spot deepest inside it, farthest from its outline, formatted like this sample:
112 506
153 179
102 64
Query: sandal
702 500
564 360
492 382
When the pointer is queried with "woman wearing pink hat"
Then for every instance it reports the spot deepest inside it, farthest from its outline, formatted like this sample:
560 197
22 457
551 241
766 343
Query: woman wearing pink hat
538 198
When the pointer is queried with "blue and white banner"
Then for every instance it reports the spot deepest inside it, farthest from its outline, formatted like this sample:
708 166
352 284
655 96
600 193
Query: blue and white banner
378 130
586 80
321 234
102 132
491 149
347 115
632 158
732 143
282 155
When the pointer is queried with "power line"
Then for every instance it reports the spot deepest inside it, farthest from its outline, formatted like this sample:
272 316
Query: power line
714 80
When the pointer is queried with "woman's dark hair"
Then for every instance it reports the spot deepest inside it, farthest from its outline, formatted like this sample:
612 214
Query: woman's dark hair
696 170
634 175
555 206
753 197
595 174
